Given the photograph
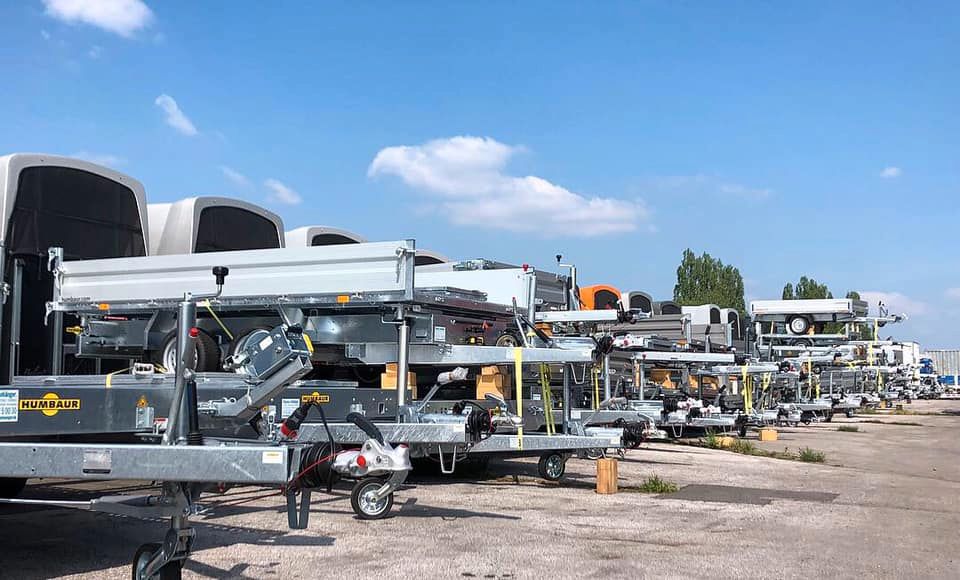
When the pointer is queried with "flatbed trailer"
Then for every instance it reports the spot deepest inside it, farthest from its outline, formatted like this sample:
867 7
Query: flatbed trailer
198 425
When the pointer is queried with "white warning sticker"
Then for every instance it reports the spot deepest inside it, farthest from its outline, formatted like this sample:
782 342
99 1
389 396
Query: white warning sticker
287 407
272 457
440 333
9 405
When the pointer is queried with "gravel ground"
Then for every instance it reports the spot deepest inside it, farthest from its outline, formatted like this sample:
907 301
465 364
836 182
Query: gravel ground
883 504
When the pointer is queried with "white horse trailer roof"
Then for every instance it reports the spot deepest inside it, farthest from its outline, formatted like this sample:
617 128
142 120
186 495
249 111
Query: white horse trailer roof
429 258
208 224
13 166
90 212
704 314
637 300
322 236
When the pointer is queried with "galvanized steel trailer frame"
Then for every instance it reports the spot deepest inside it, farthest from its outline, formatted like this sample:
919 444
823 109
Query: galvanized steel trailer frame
332 281
333 278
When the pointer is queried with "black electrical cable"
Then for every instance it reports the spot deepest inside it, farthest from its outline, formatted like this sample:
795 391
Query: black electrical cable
315 461
478 421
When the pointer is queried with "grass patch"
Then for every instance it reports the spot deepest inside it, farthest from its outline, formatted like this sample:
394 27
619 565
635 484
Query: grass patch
654 484
811 455
867 411
711 441
745 447
904 412
848 428
901 423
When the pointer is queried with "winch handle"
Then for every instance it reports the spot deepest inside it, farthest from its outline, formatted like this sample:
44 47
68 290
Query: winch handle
366 425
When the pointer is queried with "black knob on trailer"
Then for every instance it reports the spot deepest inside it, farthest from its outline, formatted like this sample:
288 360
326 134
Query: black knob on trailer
220 272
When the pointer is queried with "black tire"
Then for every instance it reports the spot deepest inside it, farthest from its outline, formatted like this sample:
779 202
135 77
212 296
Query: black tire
508 339
10 487
798 324
365 508
595 453
828 416
849 413
552 466
171 571
742 430
208 353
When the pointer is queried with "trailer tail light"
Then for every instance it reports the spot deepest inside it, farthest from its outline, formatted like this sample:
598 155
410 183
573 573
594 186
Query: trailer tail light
361 461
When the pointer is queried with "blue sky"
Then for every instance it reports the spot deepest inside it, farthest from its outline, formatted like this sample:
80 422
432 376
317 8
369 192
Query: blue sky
789 139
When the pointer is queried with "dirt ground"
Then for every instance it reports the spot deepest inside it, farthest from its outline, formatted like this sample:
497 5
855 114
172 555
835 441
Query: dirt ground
885 503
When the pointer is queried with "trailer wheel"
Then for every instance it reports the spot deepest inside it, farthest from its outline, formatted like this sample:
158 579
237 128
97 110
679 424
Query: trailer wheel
595 453
208 353
10 487
365 505
170 571
849 413
508 339
798 324
742 430
552 466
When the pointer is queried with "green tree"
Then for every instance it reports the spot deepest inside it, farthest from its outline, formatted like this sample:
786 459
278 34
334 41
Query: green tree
806 289
704 279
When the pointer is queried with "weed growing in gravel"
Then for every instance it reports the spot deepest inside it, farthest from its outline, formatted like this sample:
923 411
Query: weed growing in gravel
848 428
654 484
811 455
712 441
743 446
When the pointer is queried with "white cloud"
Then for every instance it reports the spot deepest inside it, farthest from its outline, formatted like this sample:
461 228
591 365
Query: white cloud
281 193
895 302
176 117
891 172
123 17
95 52
952 293
235 177
104 159
466 175
45 34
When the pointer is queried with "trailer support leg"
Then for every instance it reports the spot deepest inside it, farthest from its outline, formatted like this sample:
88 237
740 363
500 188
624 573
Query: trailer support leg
403 364
567 369
151 559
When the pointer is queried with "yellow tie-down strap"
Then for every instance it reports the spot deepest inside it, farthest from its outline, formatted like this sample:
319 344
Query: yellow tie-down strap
206 304
547 395
109 379
518 379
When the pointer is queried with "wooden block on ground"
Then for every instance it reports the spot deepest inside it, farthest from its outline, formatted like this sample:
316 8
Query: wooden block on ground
768 434
607 473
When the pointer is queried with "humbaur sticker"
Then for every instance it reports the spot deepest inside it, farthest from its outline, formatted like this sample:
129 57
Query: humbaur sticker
9 405
440 333
272 457
315 397
50 404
